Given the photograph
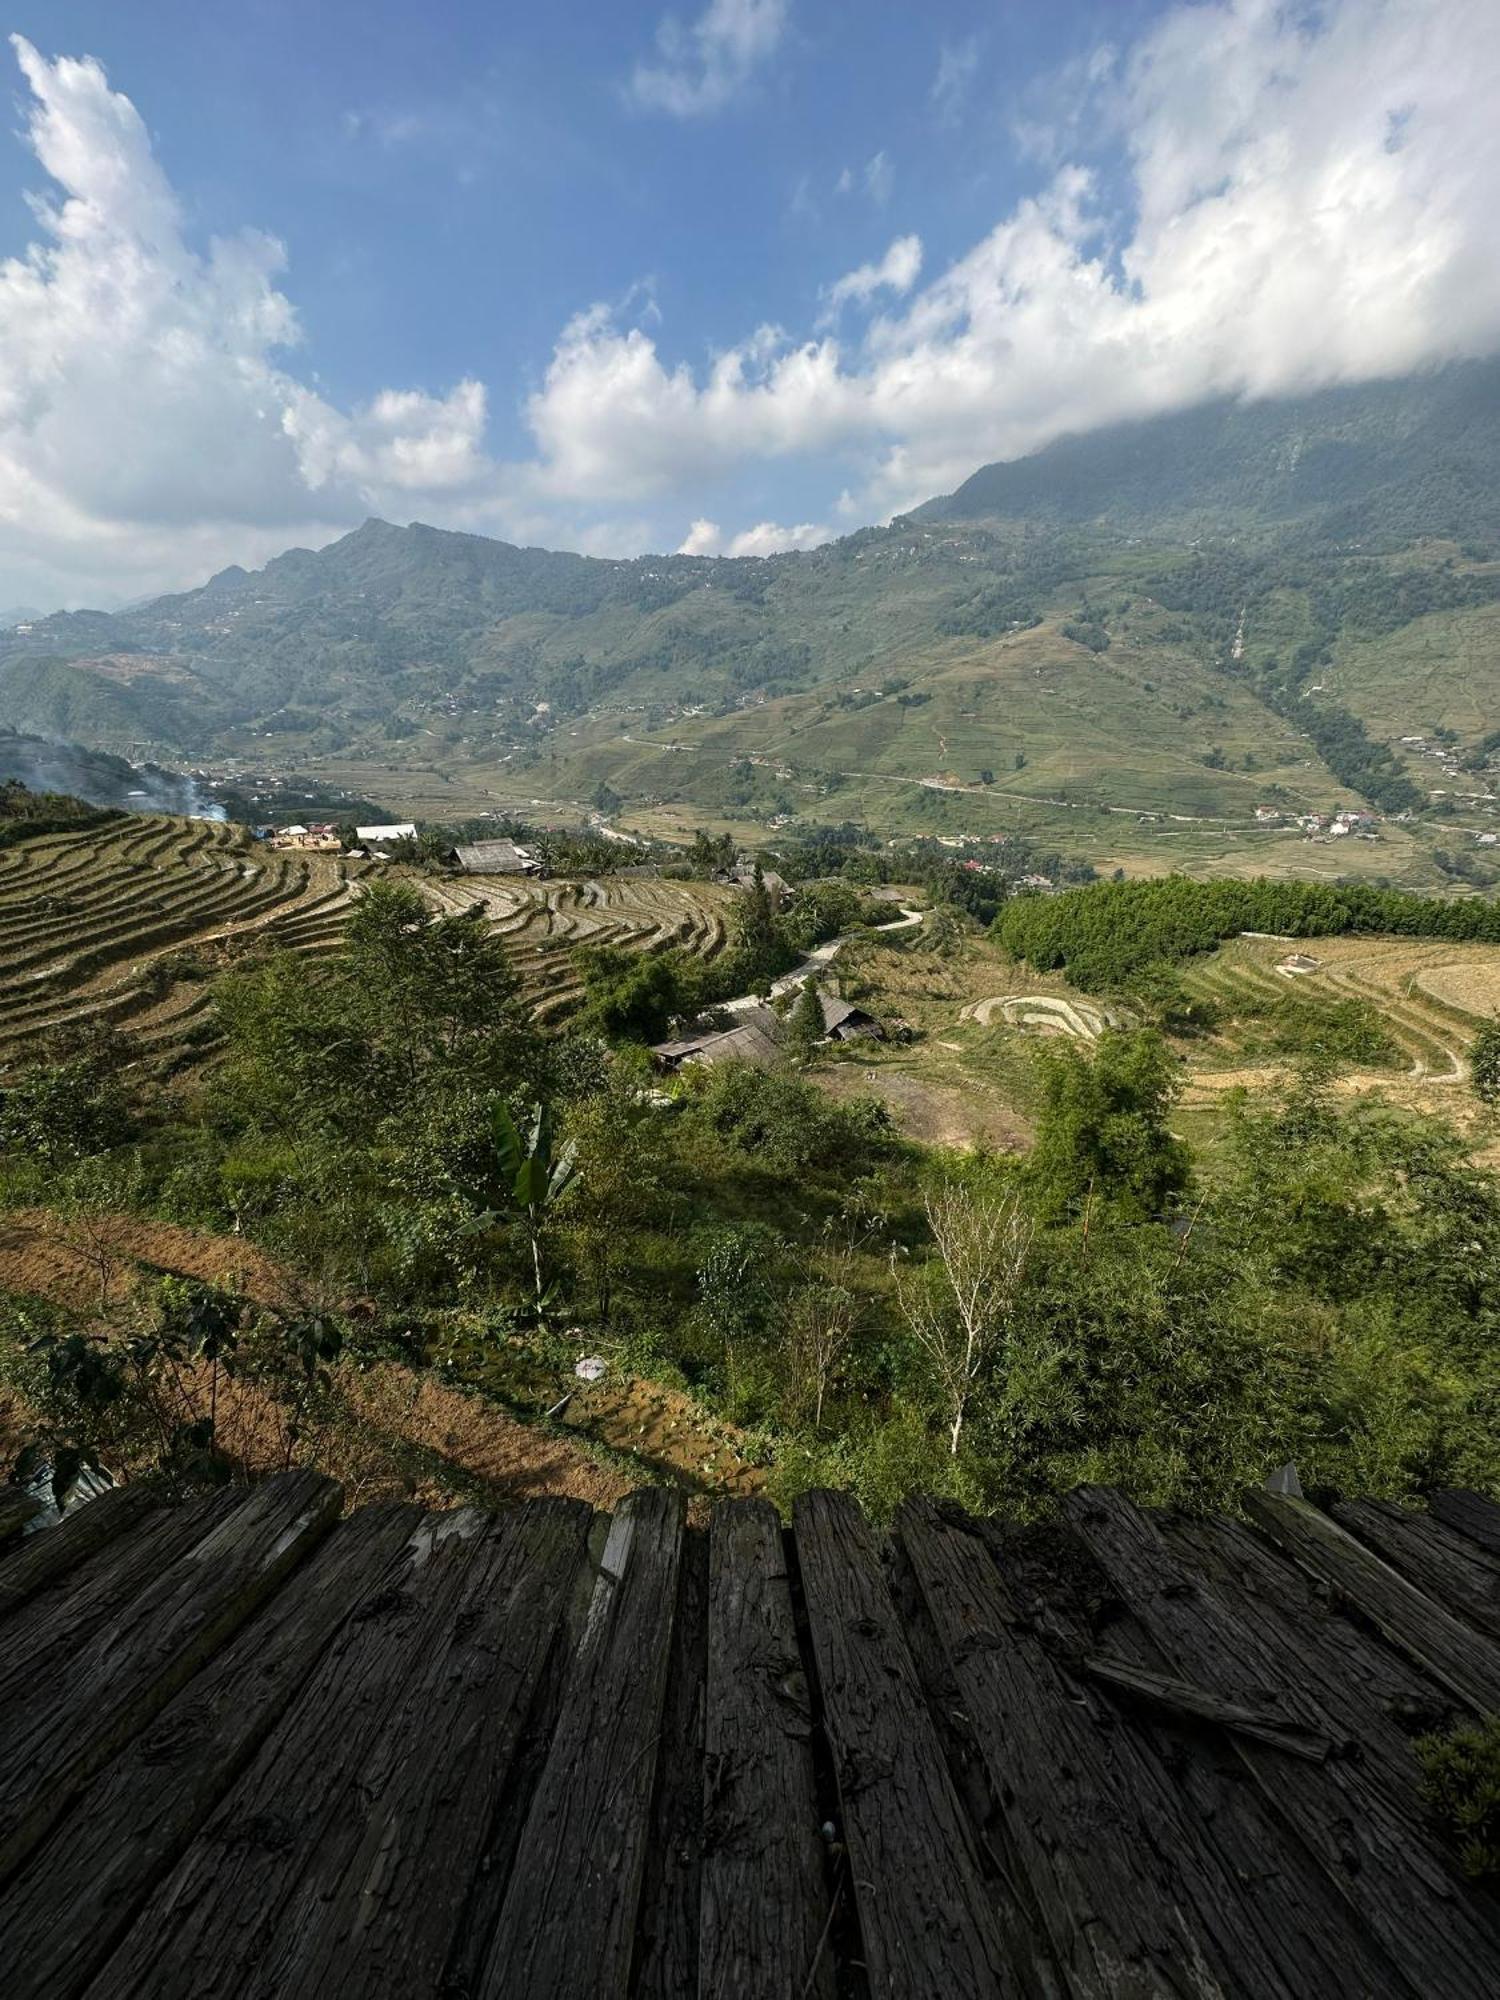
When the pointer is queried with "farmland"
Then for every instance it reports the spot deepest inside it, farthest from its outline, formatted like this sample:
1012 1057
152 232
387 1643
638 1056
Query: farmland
127 924
543 923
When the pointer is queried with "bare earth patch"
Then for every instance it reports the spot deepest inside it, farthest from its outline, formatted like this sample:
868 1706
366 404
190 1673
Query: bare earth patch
936 1114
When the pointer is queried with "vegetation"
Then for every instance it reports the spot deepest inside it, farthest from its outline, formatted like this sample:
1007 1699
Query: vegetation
1109 1306
1112 934
1461 1784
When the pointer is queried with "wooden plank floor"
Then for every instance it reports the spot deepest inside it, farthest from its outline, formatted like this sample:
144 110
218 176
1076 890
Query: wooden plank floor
250 1749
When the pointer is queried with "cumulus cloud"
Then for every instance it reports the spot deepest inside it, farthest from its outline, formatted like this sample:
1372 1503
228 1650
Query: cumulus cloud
1313 197
1292 196
897 272
147 418
766 538
701 67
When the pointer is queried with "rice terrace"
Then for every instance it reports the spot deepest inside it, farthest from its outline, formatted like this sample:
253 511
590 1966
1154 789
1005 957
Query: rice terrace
128 922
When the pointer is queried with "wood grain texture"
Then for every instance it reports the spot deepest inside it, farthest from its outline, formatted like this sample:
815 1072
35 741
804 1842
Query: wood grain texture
1470 1514
207 1928
666 1963
1129 1893
765 1893
1443 1564
1410 1619
376 1909
42 1559
79 1893
1444 1941
57 1737
567 1926
926 1922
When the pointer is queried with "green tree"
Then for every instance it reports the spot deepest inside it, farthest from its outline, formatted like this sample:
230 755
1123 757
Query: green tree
1484 1063
1102 1133
528 1177
805 1026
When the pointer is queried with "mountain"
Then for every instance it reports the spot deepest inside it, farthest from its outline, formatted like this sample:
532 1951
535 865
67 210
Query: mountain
98 778
1181 617
1387 460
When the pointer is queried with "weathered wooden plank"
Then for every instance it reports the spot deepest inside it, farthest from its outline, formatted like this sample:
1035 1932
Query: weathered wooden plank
205 1930
1375 1697
80 1891
765 1896
377 1905
1403 1889
52 1627
1462 1660
1436 1560
1300 1921
44 1558
567 1925
1195 1704
667 1922
1470 1514
1130 1894
16 1509
927 1925
63 1729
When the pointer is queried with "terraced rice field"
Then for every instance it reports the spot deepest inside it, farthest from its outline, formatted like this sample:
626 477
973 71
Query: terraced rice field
126 924
1431 995
543 923
95 926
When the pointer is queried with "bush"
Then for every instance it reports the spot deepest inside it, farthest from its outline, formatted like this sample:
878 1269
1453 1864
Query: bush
1461 1785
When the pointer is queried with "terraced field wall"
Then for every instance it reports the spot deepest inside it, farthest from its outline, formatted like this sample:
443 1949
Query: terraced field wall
127 922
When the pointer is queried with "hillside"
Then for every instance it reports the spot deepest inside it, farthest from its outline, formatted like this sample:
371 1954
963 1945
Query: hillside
1388 461
1180 619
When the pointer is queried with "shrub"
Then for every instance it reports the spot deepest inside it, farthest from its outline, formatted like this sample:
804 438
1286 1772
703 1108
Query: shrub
1461 1785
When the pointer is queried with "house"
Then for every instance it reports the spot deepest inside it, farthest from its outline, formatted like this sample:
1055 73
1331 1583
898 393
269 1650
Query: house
496 857
742 876
383 835
1298 961
308 839
844 1022
755 1038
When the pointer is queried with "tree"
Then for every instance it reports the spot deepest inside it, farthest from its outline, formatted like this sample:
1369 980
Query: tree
806 1024
957 1305
1484 1063
1103 1134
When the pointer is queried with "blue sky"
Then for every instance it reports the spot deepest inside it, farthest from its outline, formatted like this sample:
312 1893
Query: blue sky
735 280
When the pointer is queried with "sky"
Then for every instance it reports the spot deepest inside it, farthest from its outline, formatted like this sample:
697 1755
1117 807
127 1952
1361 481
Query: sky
732 279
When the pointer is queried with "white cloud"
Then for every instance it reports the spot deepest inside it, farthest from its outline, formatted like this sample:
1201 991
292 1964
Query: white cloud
957 65
766 538
703 538
1306 197
148 425
1278 241
877 177
897 271
701 68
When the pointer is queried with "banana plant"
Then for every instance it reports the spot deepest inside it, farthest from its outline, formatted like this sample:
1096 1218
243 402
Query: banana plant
530 1176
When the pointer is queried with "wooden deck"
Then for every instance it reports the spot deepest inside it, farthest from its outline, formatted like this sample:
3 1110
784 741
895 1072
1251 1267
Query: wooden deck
250 1748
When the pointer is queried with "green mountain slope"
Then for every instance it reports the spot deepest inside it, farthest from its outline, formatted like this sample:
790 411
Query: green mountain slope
1390 461
1183 618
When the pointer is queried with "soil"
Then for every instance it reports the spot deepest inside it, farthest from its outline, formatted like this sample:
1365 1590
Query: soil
937 1114
399 1430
